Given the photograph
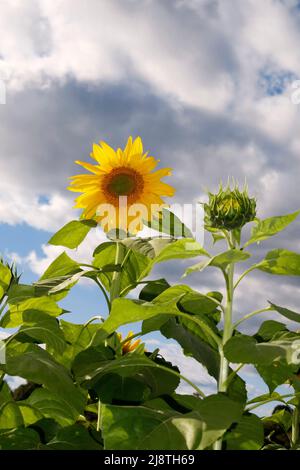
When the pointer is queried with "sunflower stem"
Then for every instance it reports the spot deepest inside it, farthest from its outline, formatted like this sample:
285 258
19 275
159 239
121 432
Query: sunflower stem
115 287
227 332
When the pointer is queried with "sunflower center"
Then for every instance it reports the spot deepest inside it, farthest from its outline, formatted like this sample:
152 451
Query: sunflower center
123 181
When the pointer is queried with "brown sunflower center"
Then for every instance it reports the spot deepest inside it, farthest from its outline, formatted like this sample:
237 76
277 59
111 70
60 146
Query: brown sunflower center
123 181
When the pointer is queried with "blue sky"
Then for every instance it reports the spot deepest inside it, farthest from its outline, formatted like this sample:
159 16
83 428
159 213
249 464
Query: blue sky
207 84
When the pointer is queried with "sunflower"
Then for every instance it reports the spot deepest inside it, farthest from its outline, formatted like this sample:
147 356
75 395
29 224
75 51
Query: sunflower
123 190
128 346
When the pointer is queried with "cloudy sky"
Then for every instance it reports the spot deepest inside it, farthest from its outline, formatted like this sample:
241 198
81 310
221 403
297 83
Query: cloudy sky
207 84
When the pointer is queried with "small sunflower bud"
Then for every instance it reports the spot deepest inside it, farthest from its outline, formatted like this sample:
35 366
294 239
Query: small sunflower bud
229 209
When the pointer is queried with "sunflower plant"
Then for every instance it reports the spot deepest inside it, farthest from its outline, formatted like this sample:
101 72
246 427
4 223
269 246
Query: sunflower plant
87 386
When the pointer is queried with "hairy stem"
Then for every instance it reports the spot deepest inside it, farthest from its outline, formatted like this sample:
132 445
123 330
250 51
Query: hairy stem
227 333
115 287
250 315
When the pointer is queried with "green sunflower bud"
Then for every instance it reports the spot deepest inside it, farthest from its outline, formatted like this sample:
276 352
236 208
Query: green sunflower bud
229 209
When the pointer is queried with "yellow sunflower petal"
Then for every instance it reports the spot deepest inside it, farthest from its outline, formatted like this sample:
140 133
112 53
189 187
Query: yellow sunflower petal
128 146
137 147
102 157
119 173
92 168
163 189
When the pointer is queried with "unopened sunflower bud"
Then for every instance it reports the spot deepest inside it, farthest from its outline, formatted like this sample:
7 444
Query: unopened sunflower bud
229 209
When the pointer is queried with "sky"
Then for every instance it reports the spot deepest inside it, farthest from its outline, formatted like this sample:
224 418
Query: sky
207 84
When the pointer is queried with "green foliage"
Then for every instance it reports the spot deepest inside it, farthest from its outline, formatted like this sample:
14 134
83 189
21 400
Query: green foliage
73 233
88 388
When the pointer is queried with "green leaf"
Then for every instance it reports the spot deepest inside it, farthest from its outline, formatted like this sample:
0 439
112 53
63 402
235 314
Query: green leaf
14 316
132 270
145 428
73 233
275 396
36 365
137 427
244 349
5 393
19 439
218 412
180 249
10 416
276 373
52 406
74 437
196 303
268 329
152 289
286 312
281 262
126 311
170 224
190 337
267 228
247 434
229 257
63 265
29 413
17 293
220 261
43 328
5 278
140 368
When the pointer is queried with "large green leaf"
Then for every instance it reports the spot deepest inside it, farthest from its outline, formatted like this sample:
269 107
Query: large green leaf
205 304
180 249
126 311
245 349
268 227
63 265
294 316
74 437
170 224
132 270
10 416
276 373
43 328
14 316
247 434
146 428
152 289
78 337
52 406
17 293
5 393
190 337
19 439
29 413
281 262
220 261
218 412
73 233
5 278
36 365
134 428
140 368
268 329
